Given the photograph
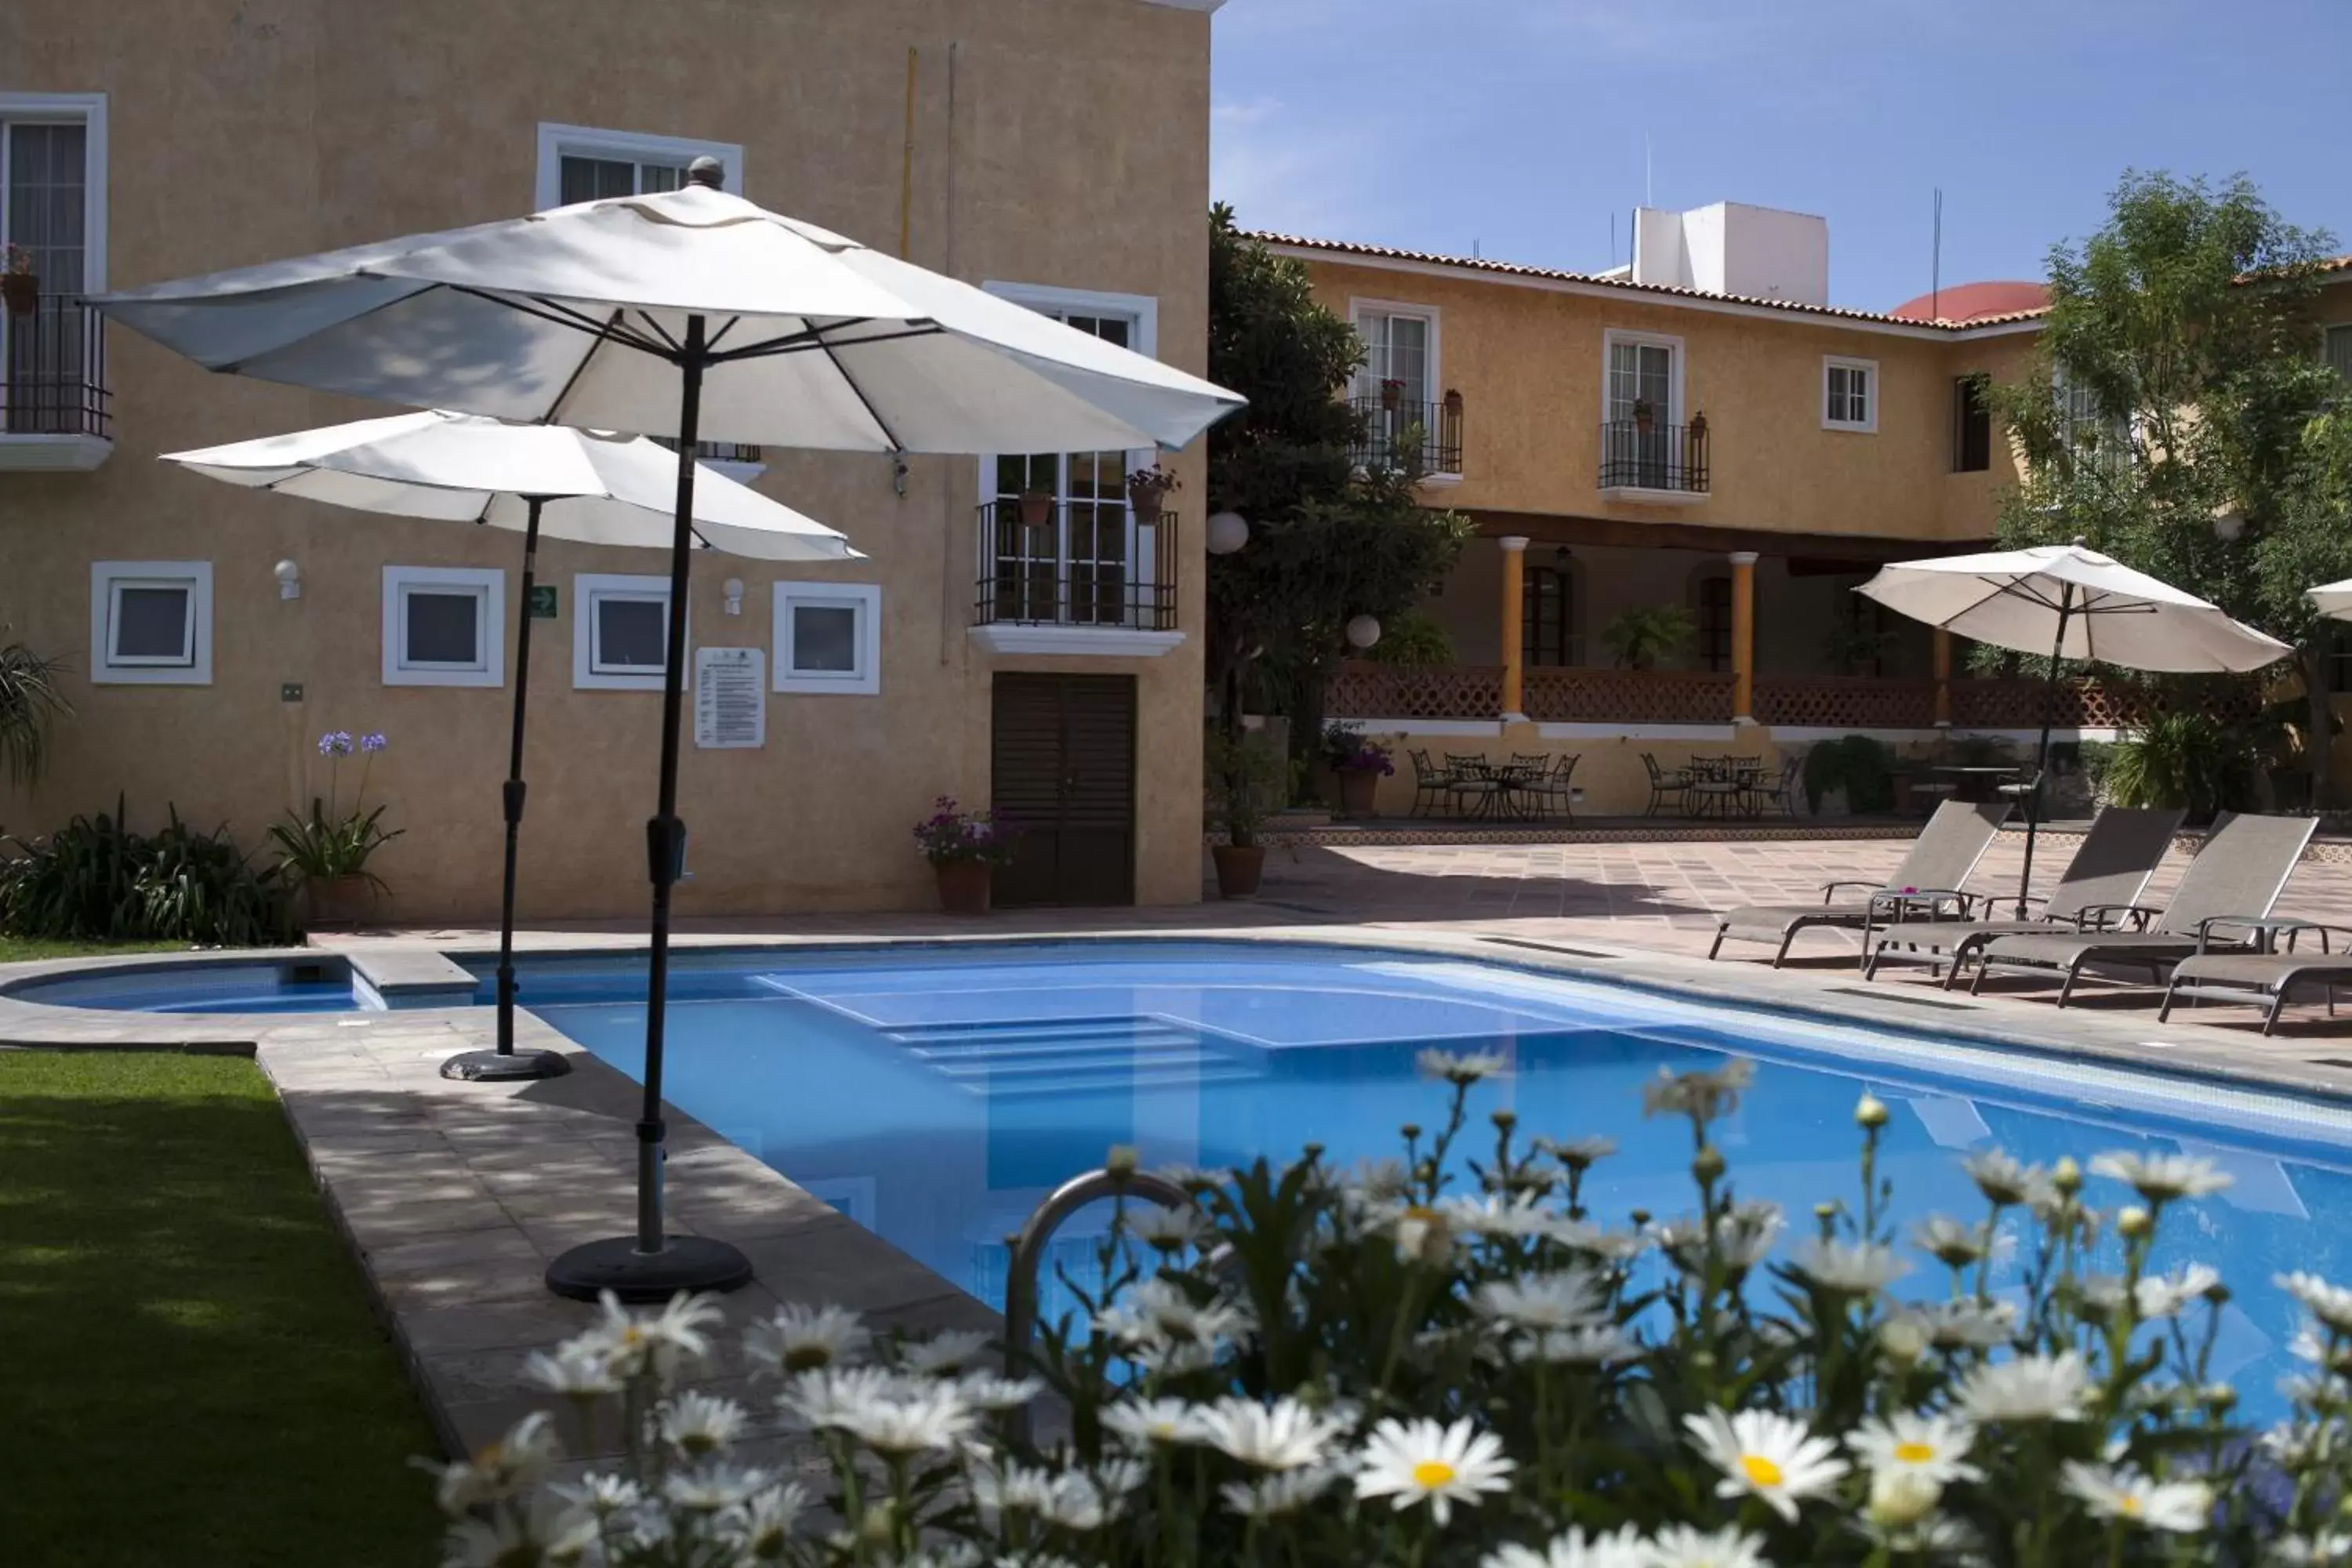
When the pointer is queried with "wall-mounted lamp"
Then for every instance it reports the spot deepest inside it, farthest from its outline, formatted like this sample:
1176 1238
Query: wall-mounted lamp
733 589
899 471
290 579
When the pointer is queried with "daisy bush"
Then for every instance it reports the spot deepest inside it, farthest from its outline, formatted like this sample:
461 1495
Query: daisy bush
1448 1358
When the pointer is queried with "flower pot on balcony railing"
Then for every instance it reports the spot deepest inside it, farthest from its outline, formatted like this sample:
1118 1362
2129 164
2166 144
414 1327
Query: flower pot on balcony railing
1037 508
1452 403
1391 393
1645 414
1147 493
20 286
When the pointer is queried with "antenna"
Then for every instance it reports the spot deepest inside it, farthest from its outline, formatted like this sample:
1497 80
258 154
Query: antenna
1936 264
1612 237
1474 250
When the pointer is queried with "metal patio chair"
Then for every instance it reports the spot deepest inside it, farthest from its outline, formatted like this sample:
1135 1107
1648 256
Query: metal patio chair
1433 786
1666 785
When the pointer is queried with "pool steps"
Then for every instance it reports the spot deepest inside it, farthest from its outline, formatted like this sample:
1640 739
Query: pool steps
1000 1060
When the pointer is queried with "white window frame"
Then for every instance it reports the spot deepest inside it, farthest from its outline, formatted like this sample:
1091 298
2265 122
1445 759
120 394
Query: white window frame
2328 336
489 583
1368 385
865 681
1868 423
557 142
587 588
107 576
1675 368
35 449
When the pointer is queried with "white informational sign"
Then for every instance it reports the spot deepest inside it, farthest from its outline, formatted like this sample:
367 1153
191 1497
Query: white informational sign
731 698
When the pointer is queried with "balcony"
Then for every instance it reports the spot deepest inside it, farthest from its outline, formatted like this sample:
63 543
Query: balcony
54 413
735 459
1653 464
1075 577
1428 436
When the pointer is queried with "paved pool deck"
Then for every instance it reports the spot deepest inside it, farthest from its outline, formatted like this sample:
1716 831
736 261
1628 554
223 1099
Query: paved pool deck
454 1196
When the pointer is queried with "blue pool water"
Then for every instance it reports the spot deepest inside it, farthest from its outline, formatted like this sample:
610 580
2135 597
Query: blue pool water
936 1096
284 986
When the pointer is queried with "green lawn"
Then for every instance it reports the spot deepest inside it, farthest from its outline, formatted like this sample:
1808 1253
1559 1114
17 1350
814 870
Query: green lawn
193 1375
20 950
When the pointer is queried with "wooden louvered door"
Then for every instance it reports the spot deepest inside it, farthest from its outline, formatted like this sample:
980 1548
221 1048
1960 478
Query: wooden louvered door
1064 772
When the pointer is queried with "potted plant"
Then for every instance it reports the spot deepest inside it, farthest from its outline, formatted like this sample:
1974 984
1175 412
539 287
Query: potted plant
20 287
1391 392
326 853
1147 492
964 848
1638 639
1454 403
1244 774
1360 764
1037 508
1645 414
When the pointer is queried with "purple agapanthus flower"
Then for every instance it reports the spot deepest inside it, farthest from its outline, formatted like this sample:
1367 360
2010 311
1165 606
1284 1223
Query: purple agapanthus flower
335 744
373 742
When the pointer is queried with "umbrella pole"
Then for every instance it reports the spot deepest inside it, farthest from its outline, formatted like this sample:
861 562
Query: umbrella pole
503 1064
2042 754
651 1265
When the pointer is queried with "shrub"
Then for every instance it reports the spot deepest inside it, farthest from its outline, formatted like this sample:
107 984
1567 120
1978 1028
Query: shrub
1247 777
2186 762
30 705
1313 1366
950 836
1863 767
1639 639
1346 749
94 879
1413 640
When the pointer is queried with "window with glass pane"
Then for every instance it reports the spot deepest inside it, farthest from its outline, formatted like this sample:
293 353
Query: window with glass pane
153 623
1547 634
632 633
44 169
2337 348
1971 426
1072 567
586 179
2101 439
443 629
1396 348
1641 378
824 639
1715 623
1849 395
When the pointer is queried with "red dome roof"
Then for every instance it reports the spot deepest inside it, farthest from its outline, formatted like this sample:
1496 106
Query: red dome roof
1973 301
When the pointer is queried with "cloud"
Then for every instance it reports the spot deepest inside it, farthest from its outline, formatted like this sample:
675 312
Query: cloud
1281 171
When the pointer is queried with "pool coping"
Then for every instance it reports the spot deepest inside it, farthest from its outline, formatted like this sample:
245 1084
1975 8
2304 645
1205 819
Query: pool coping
454 1195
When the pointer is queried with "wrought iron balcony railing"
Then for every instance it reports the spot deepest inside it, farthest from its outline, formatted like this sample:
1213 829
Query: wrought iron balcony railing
1429 434
1076 563
53 370
718 452
1638 454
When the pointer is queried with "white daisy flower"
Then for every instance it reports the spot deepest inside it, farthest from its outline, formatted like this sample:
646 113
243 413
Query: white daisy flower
2296 1447
2331 1304
1572 1298
1166 1229
660 1345
2097 1296
1459 1069
2331 1550
1424 1461
696 1423
1743 1238
931 1417
1495 1217
1158 1311
1166 1360
1010 1487
1621 1549
1424 1235
764 1526
502 1469
1597 1345
984 1391
2030 1388
1765 1455
1965 1325
1909 1442
1852 1269
802 1338
2182 1508
1609 1245
1191 1177
1706 1095
1082 1502
601 1494
944 1354
1279 1493
2159 1178
1284 1435
1900 1498
1149 1423
2003 1179
835 1397
527 1534
711 1487
1953 1243
1382 1180
1685 1546
580 1369
1577 1153
2165 1295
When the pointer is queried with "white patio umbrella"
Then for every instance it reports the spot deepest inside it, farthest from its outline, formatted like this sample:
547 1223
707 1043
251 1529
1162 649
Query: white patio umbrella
2066 601
586 486
694 314
2334 599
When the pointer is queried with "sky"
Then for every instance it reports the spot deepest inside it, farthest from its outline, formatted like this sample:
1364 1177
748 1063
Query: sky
1516 128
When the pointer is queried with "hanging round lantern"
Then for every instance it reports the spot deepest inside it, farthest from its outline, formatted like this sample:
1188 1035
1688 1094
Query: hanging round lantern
1228 531
1363 632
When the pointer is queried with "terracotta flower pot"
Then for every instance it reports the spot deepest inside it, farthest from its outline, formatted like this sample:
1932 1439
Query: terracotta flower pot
1240 867
964 886
337 902
1390 395
1037 508
21 291
1147 506
1358 789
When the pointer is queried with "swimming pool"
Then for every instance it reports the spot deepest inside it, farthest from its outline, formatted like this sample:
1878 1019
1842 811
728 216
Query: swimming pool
936 1095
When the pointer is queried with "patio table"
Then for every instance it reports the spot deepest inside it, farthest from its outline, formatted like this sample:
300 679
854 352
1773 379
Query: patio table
1734 785
1979 783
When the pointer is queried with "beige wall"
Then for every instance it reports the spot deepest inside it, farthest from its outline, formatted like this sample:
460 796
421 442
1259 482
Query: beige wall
243 129
1528 363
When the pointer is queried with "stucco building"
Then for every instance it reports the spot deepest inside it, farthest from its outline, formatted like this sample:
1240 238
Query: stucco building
1055 151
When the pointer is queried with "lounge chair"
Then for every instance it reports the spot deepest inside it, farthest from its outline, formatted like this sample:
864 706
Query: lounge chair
2222 906
2265 980
1927 886
2109 873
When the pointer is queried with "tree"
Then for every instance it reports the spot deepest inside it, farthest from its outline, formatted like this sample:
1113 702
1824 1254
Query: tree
1329 539
2165 414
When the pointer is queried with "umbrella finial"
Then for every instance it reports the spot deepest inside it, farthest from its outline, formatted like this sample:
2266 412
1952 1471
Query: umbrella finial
707 170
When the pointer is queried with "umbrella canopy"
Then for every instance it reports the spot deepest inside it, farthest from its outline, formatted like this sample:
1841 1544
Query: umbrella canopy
596 489
579 315
2334 599
2016 598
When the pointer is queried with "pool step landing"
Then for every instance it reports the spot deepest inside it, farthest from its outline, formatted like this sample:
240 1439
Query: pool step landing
1072 1056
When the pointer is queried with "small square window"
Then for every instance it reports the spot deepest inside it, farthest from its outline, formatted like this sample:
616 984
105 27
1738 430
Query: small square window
151 622
444 626
829 638
1849 394
621 640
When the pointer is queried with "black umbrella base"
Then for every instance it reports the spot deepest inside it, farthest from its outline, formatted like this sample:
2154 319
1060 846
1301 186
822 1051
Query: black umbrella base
495 1066
688 1263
